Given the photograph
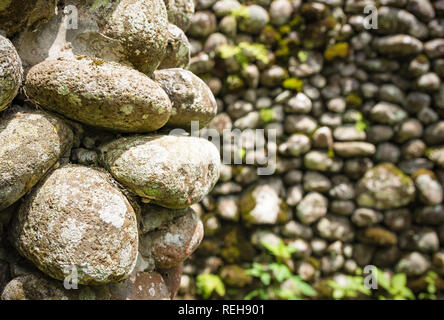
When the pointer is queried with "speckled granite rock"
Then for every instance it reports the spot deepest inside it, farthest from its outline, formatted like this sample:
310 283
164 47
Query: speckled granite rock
130 32
173 242
385 187
180 12
78 207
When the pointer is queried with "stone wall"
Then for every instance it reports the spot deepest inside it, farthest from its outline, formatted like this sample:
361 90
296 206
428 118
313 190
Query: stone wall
358 109
95 193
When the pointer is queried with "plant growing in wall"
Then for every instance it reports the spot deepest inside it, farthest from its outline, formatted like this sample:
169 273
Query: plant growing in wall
277 281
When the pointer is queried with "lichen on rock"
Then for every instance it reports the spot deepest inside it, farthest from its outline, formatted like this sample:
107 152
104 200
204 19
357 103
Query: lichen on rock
77 218
99 93
24 156
11 72
191 98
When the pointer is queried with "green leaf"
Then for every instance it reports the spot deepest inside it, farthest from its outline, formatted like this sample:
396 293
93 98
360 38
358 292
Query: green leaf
406 292
208 283
265 278
280 272
383 280
399 280
255 293
304 287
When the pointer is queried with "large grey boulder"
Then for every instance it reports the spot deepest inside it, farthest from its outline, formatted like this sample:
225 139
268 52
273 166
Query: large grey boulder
77 221
11 72
99 93
32 141
171 171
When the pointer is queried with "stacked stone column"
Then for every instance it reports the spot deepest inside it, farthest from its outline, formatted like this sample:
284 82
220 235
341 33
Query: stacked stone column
96 196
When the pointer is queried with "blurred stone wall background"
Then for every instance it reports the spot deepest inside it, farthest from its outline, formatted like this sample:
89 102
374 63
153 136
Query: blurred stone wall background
357 102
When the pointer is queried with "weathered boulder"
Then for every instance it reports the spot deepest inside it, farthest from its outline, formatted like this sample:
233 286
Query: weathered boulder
35 287
203 23
31 142
77 220
18 14
99 93
378 236
385 187
138 286
261 204
178 49
171 171
312 207
180 12
191 98
353 149
11 72
154 217
133 32
175 241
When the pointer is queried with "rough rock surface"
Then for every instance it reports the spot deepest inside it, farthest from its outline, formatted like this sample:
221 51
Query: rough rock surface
11 72
24 156
92 63
129 101
131 32
262 204
178 49
191 98
171 171
358 117
175 241
385 187
78 218
17 14
180 12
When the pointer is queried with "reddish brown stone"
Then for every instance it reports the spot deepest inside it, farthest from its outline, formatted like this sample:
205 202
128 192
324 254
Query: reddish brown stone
141 286
172 278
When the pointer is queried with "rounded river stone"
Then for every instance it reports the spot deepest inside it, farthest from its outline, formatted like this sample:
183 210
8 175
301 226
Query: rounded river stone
78 221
